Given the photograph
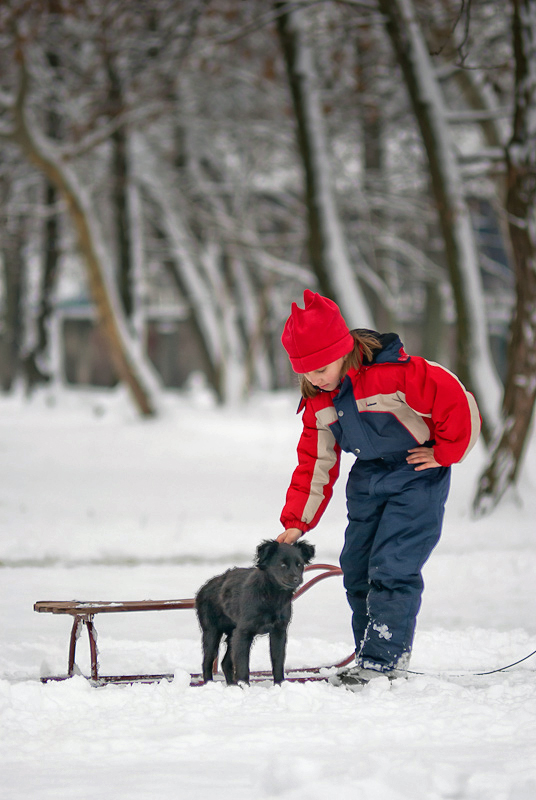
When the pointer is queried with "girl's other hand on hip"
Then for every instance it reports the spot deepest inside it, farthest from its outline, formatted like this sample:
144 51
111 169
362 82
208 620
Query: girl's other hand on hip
423 457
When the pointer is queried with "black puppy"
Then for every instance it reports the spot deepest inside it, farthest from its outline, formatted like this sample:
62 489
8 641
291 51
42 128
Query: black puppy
245 602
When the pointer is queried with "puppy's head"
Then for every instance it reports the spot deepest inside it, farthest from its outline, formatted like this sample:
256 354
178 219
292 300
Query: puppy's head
284 563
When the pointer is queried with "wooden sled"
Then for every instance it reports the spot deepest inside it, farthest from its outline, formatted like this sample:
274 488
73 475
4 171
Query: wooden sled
84 613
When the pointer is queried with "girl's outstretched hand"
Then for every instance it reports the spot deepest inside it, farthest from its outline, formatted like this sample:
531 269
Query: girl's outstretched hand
289 536
424 457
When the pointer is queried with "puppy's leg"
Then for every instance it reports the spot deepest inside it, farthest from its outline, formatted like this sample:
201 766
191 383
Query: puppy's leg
278 646
227 661
241 646
211 642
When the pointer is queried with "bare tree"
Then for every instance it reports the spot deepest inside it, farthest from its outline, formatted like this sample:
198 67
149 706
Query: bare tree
327 247
474 364
33 370
520 392
126 356
13 275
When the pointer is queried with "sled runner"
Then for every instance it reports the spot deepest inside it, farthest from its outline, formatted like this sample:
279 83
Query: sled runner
84 613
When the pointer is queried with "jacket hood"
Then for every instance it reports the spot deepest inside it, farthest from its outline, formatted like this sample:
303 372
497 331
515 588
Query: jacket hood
392 351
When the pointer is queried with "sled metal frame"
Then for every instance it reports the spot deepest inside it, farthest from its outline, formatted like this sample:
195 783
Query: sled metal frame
84 612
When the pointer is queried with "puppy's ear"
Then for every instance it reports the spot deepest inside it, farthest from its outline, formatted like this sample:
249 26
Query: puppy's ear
265 551
306 549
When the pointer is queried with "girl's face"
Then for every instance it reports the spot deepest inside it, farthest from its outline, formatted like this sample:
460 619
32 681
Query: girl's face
326 378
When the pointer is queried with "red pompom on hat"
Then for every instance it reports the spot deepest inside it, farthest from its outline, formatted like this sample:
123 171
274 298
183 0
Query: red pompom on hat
316 335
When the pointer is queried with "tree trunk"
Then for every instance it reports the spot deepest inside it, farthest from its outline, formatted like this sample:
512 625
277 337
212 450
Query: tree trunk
474 361
372 123
189 271
11 339
120 182
247 289
32 369
33 372
326 242
520 391
126 357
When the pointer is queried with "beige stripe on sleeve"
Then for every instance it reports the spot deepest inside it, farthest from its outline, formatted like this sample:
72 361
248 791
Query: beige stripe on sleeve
325 460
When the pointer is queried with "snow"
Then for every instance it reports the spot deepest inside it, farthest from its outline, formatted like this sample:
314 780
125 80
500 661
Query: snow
97 504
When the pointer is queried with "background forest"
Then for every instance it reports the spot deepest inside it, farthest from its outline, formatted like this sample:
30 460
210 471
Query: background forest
174 173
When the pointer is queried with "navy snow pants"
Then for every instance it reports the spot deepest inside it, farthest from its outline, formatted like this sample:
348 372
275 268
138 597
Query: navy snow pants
394 522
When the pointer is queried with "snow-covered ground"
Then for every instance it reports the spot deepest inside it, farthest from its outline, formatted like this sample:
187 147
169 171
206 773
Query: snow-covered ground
96 504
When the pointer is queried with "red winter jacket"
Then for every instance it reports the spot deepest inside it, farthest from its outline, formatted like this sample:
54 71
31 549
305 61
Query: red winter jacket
390 405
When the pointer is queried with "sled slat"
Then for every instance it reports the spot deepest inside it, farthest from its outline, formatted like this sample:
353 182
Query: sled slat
82 607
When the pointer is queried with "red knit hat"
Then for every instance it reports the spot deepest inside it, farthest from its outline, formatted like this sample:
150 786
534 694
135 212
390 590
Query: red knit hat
316 335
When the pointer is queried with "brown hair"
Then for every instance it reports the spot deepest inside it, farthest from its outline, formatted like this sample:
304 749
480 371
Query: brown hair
365 343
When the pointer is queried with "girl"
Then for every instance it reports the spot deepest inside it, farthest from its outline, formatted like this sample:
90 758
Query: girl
406 420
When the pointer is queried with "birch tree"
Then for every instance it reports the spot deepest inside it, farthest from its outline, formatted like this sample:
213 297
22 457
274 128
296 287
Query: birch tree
506 456
474 363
